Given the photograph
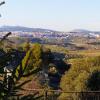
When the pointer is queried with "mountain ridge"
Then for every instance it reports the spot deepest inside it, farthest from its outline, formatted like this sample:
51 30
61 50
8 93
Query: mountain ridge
7 27
75 32
24 29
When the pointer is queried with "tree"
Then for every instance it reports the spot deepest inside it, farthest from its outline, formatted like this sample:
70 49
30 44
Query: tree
10 86
78 77
93 82
27 46
32 60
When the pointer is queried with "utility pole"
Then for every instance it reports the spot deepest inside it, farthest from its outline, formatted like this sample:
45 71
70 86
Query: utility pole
1 3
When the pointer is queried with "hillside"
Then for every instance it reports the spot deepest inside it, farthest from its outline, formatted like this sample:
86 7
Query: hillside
23 29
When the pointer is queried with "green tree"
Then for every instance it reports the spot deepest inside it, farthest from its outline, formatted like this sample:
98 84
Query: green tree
32 60
27 46
93 82
78 75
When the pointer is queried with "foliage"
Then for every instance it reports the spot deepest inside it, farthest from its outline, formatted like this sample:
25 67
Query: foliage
11 85
27 46
52 68
35 58
78 75
93 82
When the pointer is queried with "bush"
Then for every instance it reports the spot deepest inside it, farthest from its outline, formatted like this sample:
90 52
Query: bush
80 76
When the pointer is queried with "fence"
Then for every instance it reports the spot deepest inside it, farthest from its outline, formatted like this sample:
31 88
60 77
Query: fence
46 94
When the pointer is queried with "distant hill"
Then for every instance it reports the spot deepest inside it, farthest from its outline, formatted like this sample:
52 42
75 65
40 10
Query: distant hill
84 33
81 31
52 33
23 29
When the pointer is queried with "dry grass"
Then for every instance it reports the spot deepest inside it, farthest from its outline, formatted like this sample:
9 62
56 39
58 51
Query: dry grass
87 52
60 49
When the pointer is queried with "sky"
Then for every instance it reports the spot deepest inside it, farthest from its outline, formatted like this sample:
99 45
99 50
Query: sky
62 15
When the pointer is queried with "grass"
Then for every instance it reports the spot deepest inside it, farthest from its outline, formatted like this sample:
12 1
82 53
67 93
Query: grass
87 52
56 48
60 49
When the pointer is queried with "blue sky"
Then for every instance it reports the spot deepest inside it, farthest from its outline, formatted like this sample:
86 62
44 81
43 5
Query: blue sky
63 15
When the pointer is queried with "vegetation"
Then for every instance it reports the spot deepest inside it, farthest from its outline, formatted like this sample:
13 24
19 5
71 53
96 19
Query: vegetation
24 63
81 76
46 66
